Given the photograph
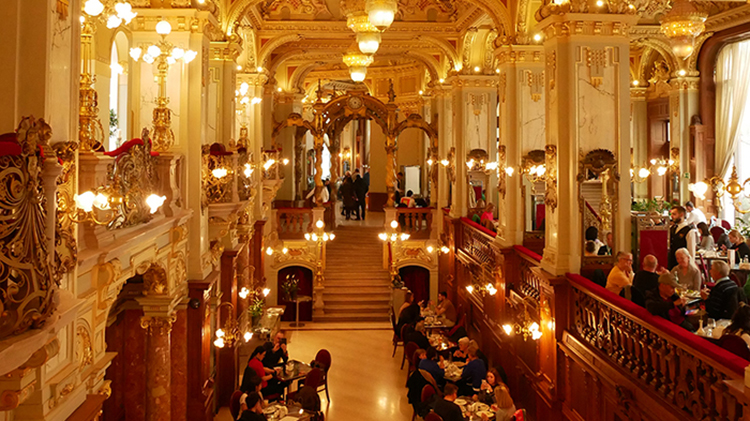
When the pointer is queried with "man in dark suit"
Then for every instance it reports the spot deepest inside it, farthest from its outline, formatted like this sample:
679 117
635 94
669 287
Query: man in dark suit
646 280
446 407
360 190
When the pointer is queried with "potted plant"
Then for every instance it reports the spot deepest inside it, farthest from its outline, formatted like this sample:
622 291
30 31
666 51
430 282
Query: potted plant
256 310
290 287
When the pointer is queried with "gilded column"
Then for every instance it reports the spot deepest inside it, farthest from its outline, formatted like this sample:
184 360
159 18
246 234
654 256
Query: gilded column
158 367
318 168
521 98
587 101
683 105
335 159
639 136
390 169
299 160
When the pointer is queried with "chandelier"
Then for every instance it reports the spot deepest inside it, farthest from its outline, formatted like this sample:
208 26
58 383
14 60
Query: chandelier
357 63
681 25
734 187
113 13
164 54
368 36
381 12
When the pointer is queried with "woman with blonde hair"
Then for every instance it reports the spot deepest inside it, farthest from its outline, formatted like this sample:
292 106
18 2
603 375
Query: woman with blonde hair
495 392
686 272
739 245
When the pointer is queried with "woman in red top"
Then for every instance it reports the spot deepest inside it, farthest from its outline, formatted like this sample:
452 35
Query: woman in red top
256 364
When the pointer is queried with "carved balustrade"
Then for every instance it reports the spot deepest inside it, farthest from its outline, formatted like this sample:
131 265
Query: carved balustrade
293 223
417 222
476 241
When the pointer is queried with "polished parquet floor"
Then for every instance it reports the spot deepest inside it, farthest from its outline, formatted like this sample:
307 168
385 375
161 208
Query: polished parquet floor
366 384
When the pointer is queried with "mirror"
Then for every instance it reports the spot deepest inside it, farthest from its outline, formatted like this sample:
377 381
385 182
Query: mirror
477 177
597 195
533 170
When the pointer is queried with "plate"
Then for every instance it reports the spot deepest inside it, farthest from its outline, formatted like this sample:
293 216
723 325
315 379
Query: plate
482 406
460 402
489 414
270 410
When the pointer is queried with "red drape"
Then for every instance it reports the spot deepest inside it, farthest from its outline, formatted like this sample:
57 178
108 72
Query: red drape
417 279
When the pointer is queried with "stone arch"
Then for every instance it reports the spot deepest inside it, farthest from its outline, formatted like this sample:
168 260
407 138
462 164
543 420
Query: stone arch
268 49
500 15
444 46
664 49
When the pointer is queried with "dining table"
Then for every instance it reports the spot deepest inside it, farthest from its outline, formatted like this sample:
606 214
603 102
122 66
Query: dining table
453 372
473 411
286 412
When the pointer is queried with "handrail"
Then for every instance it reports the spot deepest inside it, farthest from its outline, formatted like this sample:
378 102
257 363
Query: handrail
482 229
290 222
591 208
526 252
416 221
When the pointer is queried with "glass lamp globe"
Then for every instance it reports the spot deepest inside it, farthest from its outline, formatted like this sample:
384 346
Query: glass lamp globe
369 42
381 12
93 7
358 73
163 28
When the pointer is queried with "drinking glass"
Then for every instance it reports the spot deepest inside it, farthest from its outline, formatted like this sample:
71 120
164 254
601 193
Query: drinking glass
711 324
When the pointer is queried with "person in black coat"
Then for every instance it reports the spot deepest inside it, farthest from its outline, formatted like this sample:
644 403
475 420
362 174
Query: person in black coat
360 191
722 300
446 407
409 315
665 303
348 196
254 411
417 336
646 280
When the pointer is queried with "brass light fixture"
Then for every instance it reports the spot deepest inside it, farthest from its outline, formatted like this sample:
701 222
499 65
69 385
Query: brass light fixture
319 237
734 187
381 13
357 63
682 24
484 289
230 333
90 130
368 36
164 54
528 327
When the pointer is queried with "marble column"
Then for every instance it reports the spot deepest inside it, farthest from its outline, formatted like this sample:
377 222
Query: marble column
684 103
222 85
441 105
521 96
318 146
179 365
588 107
639 136
158 367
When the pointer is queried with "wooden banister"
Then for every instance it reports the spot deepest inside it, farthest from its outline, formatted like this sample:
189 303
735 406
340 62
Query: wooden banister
417 222
293 223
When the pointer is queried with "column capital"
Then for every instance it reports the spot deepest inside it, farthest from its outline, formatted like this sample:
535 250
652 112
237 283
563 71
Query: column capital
638 93
224 51
473 81
686 83
158 324
565 24
519 54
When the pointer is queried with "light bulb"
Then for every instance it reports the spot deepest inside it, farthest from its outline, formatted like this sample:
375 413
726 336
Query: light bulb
285 161
244 87
536 335
85 201
248 336
244 292
266 291
394 224
93 7
153 51
135 53
314 237
248 171
284 250
383 236
394 237
368 42
358 73
239 68
470 289
404 236
101 201
421 92
220 172
269 251
643 172
509 171
163 28
269 164
116 68
189 56
538 37
444 162
154 202
307 236
113 21
171 60
259 69
148 58
445 249
508 329
331 236
477 69
325 236
441 80
220 333
219 343
540 170
661 171
178 53
534 327
320 224
430 249
381 13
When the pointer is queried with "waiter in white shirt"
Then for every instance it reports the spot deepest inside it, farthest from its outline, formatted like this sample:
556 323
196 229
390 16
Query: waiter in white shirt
695 215
681 234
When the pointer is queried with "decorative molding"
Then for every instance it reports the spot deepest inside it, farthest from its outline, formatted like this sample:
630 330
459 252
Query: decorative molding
158 325
596 62
550 194
535 81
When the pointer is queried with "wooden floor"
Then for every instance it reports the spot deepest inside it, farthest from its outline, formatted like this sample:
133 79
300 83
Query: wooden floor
366 384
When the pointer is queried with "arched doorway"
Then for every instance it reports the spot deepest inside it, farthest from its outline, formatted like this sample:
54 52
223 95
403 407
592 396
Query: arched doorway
304 278
417 280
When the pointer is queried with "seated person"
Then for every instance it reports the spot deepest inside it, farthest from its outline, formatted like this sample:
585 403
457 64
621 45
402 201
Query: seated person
427 363
740 325
606 250
664 302
408 201
410 314
487 219
446 407
496 394
589 249
276 352
418 379
622 274
707 240
408 300
270 384
446 310
254 411
722 300
742 250
473 373
473 344
461 353
417 336
592 234
686 271
647 279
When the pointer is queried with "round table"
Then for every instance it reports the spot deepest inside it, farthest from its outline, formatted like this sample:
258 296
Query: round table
300 298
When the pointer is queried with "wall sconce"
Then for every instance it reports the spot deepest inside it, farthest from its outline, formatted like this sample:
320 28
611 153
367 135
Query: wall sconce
270 251
533 166
484 289
245 292
528 328
89 205
230 333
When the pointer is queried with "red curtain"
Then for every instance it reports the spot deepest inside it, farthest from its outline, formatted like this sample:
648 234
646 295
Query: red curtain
305 286
417 279
656 243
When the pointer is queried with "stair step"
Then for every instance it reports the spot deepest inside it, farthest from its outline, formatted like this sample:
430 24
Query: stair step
359 317
355 308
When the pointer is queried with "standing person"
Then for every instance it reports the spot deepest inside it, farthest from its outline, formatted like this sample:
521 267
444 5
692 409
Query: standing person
360 191
408 201
399 187
686 271
681 235
739 245
446 309
446 407
347 195
707 240
695 215
622 274
366 177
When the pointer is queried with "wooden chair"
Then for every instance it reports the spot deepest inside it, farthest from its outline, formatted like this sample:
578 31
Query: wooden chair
704 269
324 358
427 392
397 339
403 342
433 417
234 404
409 349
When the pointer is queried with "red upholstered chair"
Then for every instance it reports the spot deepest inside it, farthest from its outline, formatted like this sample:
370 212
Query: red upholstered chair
716 233
726 225
313 378
324 358
433 417
427 392
519 415
234 404
397 340
461 322
409 349
736 345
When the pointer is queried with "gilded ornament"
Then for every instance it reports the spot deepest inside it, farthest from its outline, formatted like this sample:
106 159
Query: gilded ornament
84 350
155 280
158 325
550 194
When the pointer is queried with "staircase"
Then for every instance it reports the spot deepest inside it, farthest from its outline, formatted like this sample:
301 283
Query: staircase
357 288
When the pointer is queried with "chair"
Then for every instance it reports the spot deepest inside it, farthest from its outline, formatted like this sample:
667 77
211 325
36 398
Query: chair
397 340
460 323
704 269
519 415
433 417
314 378
716 233
403 333
324 358
726 225
409 349
736 345
234 404
427 392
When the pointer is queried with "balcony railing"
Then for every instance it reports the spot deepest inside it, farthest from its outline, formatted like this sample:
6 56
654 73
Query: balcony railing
417 222
293 223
